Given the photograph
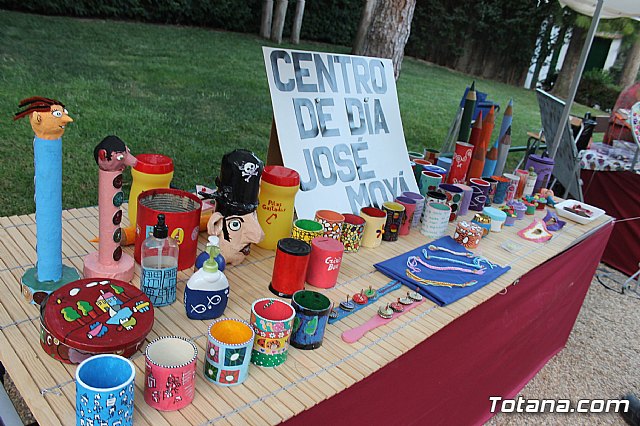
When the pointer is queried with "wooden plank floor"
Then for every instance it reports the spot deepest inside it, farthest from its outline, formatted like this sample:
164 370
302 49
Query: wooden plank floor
268 395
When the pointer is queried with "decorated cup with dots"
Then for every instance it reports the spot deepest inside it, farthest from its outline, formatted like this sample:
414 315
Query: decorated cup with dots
228 351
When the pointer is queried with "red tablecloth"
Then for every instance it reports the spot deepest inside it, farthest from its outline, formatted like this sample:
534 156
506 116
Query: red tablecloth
618 194
494 349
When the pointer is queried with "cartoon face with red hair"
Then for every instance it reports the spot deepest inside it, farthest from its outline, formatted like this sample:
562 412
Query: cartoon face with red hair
48 117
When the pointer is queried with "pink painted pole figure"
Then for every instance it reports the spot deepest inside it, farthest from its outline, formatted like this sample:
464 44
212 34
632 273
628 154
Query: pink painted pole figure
112 156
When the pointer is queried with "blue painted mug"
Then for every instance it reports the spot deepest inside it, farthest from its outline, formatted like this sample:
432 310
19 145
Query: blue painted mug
104 391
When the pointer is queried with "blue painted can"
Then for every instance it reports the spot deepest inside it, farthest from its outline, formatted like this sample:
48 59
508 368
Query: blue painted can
105 391
312 314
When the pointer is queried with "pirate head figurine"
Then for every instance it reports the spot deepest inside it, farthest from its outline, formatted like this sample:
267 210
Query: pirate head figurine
235 221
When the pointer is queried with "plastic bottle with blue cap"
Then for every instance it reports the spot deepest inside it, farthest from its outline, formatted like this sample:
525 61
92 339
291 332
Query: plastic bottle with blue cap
207 291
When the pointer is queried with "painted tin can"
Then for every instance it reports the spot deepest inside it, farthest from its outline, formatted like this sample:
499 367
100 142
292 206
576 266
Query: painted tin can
312 315
182 215
272 321
290 266
228 351
331 222
324 262
395 214
409 210
374 226
94 316
306 230
454 198
170 373
352 230
419 199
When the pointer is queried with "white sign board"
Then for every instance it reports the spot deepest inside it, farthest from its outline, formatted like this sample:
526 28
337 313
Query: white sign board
339 126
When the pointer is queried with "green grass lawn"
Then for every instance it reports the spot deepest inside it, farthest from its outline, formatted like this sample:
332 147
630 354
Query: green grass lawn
189 93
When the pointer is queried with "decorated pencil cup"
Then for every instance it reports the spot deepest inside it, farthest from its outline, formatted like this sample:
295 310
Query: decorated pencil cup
445 163
418 167
543 167
429 181
512 188
467 192
170 373
409 210
502 184
395 214
480 193
312 314
374 226
461 162
431 155
290 266
435 197
524 175
272 321
278 188
228 351
324 262
331 222
419 199
436 220
493 184
105 391
306 230
352 231
454 198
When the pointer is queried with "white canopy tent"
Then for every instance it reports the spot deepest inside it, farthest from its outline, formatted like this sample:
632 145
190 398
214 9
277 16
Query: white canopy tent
598 9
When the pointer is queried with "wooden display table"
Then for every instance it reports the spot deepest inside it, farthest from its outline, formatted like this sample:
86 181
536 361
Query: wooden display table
269 395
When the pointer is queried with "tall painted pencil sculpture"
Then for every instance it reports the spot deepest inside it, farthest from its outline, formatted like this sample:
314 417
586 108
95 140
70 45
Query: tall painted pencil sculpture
503 152
467 114
48 119
507 118
476 133
112 156
492 155
479 150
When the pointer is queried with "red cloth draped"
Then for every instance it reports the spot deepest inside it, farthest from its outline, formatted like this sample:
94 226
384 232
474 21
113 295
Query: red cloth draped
617 193
494 349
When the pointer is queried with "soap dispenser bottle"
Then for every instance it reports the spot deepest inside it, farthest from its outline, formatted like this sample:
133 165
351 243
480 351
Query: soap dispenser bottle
207 291
159 264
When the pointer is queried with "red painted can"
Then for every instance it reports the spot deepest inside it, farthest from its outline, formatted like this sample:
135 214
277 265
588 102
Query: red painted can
94 316
324 265
181 210
290 266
